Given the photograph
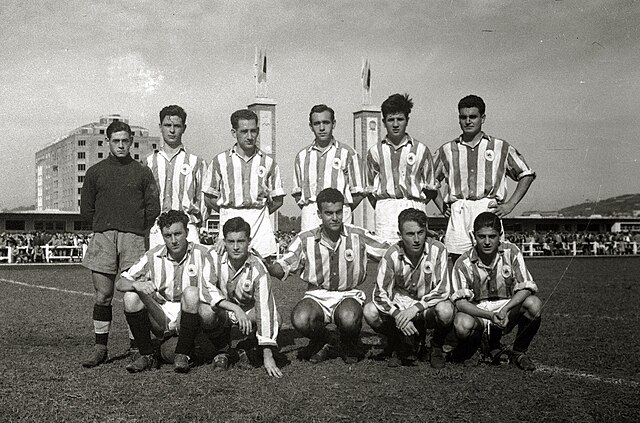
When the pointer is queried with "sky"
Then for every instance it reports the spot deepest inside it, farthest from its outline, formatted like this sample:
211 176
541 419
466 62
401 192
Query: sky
560 79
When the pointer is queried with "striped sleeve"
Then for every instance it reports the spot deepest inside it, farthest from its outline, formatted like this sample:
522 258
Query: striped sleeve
440 288
439 165
356 179
374 245
209 292
267 323
462 280
383 288
428 172
139 270
275 181
294 259
517 168
373 170
297 177
523 278
211 182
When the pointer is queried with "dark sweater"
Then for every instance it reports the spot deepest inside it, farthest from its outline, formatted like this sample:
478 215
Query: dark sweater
120 194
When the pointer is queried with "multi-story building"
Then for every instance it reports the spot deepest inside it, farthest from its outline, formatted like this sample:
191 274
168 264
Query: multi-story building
61 166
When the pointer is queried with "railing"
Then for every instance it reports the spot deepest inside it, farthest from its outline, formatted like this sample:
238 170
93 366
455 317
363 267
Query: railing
45 253
575 248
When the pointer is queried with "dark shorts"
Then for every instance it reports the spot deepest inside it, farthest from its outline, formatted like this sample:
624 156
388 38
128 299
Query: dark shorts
112 252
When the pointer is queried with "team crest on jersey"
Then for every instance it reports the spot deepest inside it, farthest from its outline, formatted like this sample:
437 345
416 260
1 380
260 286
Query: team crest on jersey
192 270
506 271
246 285
427 267
411 159
185 169
336 164
262 171
348 254
489 155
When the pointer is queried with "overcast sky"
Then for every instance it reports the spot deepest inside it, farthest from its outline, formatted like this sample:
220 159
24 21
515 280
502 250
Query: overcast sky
560 78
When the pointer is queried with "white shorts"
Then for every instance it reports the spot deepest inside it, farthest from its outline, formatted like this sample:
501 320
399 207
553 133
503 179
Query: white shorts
492 306
171 311
155 235
262 238
459 235
330 300
309 218
386 216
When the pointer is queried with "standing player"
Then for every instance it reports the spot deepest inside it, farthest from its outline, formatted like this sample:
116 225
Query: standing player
243 181
332 259
244 281
412 291
326 163
399 169
120 198
178 174
493 291
475 167
171 288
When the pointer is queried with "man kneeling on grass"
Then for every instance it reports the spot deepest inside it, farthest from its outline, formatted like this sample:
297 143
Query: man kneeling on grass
244 281
412 293
493 291
171 289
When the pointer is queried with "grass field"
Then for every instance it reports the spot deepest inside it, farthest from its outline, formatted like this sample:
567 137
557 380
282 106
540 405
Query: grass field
587 350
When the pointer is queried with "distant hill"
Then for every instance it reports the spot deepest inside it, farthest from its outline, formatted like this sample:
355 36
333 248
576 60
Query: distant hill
624 205
21 208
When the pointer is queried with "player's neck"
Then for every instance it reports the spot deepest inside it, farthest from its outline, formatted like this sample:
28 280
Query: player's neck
237 263
323 145
332 236
487 259
472 140
414 258
170 150
246 154
396 140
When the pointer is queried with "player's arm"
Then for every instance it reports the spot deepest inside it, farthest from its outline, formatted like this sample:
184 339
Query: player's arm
442 206
244 323
274 188
296 192
152 207
292 261
211 186
267 324
356 179
88 197
518 194
430 187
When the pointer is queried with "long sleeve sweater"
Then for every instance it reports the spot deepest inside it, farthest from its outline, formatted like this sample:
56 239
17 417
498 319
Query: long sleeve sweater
120 194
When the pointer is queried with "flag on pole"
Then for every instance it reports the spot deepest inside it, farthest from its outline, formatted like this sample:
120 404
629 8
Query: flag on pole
366 74
262 66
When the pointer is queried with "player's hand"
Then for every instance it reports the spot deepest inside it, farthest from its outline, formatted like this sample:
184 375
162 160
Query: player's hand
405 316
158 298
409 329
244 323
504 317
219 246
500 210
270 364
497 320
144 287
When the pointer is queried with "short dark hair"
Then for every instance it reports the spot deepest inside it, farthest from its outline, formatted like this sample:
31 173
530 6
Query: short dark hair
472 101
173 110
329 195
243 114
170 217
236 224
487 220
412 215
319 108
118 126
397 103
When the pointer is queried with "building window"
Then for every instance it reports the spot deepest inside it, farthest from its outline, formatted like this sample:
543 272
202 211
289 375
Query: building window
14 225
78 203
82 166
154 146
81 225
102 131
136 156
100 155
100 143
80 179
136 145
79 191
81 154
82 143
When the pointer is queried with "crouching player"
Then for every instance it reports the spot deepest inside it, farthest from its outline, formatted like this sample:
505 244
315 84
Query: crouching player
245 283
333 262
412 292
171 289
493 291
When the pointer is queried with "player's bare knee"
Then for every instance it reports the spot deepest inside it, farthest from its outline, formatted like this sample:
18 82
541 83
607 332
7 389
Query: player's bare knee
463 325
132 302
305 318
190 301
532 306
444 312
206 314
371 315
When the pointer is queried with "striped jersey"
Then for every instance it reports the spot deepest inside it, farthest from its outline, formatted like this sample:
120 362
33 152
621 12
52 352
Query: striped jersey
474 281
250 287
427 282
171 277
338 268
400 172
239 183
337 167
179 180
473 173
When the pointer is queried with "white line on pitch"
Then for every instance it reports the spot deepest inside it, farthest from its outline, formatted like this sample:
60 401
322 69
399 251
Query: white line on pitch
50 288
584 375
589 317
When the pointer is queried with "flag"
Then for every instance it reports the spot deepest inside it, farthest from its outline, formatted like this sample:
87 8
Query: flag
262 66
366 74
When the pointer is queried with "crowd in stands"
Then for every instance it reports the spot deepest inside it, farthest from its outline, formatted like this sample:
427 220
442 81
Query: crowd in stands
39 247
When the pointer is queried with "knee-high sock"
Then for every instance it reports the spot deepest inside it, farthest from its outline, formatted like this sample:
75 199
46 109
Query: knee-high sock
102 323
189 327
527 329
141 328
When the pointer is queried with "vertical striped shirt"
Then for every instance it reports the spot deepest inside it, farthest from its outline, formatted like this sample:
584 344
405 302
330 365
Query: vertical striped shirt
474 281
403 171
179 180
427 282
473 173
239 183
338 166
171 277
250 287
338 268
